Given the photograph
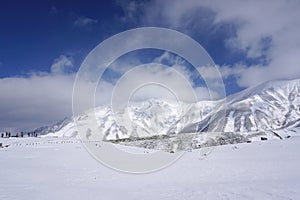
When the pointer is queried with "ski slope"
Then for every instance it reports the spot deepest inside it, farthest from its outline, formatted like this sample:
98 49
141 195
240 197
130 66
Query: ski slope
45 168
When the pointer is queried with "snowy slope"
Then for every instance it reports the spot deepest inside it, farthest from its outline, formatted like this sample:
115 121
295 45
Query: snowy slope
60 168
267 107
270 106
55 127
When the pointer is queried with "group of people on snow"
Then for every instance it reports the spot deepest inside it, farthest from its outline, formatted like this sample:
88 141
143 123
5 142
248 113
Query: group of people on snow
21 134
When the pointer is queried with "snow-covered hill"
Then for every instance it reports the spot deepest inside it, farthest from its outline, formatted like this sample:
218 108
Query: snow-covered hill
271 106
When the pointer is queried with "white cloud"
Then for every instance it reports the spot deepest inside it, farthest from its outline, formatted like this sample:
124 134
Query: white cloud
263 29
175 74
158 81
276 20
61 65
225 71
44 98
29 102
170 58
130 9
203 93
84 21
38 99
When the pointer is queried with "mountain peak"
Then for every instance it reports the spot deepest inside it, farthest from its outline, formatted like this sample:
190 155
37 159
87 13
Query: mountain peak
269 106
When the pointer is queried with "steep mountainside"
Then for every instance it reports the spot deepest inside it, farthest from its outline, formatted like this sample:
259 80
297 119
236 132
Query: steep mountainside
270 106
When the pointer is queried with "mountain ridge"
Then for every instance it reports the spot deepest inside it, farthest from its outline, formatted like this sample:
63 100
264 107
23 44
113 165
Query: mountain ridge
273 105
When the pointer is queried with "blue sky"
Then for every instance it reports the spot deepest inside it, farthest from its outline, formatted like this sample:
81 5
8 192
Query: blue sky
43 43
34 33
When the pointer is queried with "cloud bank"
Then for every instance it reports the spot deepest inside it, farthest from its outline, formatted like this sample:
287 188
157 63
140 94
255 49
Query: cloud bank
42 98
266 31
38 99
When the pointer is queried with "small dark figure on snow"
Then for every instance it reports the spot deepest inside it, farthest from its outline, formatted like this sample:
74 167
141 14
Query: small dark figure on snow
17 135
9 134
22 134
2 135
263 138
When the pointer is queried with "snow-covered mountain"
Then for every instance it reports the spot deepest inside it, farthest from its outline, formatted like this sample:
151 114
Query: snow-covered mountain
54 128
140 119
270 106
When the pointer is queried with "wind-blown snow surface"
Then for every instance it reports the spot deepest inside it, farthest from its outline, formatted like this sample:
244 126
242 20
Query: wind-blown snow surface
41 168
